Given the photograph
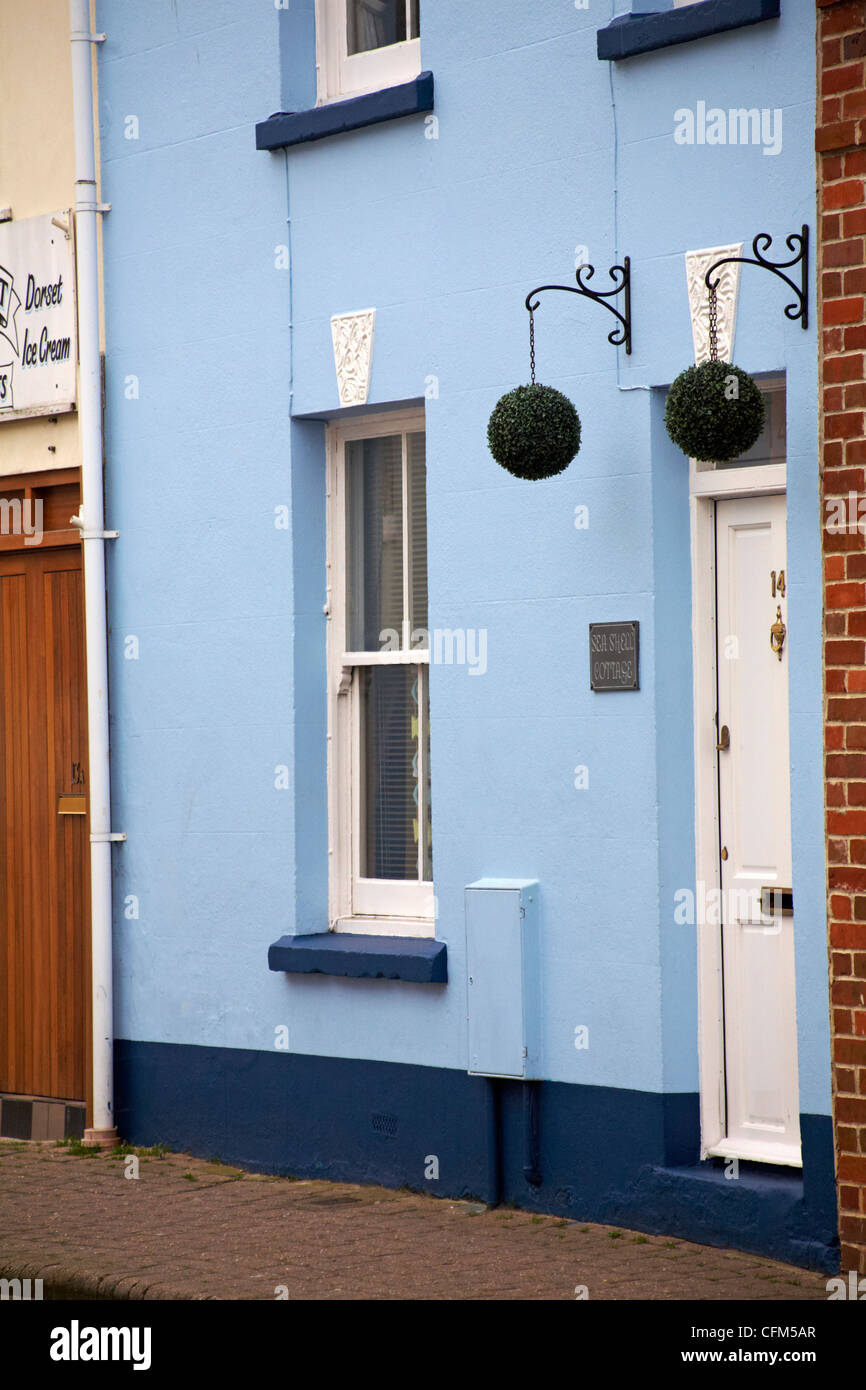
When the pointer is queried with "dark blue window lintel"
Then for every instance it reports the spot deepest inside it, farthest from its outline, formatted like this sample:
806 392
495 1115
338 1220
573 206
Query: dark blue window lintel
419 960
629 34
299 127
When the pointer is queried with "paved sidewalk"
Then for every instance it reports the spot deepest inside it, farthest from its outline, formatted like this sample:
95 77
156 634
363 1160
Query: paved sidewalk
189 1229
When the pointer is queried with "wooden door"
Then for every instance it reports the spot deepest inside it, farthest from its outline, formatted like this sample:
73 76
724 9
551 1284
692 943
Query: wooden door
761 1078
44 849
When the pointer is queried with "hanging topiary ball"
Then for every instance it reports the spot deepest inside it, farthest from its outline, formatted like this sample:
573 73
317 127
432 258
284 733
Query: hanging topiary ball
714 412
534 432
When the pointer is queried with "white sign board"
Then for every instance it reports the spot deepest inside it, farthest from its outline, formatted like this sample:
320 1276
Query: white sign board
37 316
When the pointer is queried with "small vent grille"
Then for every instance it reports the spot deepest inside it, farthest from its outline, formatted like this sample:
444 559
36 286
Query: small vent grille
74 1122
17 1119
41 1118
385 1124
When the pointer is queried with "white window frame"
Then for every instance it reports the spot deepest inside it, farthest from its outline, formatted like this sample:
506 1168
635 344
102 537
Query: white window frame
374 907
339 75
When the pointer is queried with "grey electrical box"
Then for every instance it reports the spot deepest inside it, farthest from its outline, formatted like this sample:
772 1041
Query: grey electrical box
503 977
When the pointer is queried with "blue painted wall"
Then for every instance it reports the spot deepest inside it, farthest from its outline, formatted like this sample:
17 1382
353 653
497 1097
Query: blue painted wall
540 149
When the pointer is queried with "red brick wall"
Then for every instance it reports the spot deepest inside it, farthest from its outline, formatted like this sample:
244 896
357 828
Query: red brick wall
841 144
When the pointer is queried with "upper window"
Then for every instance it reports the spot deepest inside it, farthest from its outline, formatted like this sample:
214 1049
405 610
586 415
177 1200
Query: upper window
771 445
365 45
378 662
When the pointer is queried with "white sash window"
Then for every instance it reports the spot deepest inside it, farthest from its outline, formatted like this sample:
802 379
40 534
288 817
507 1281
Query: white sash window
378 669
365 45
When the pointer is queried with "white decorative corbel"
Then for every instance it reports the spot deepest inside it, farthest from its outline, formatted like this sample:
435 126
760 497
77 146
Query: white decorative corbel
352 336
728 276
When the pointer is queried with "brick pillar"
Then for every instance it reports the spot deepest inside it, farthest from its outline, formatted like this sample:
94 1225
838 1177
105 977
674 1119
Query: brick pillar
841 144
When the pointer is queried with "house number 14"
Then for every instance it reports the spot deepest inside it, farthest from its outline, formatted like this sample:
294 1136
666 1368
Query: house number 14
777 583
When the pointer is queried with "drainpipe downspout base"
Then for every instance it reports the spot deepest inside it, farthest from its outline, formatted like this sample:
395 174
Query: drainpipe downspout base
101 1138
494 1143
531 1167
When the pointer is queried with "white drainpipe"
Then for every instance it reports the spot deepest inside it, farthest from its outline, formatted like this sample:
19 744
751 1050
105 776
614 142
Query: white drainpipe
92 522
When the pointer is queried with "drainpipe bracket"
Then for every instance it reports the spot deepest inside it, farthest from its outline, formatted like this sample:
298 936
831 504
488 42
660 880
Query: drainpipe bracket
78 523
106 837
85 206
83 37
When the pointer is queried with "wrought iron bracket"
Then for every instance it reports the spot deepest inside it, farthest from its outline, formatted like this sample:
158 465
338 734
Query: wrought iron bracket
798 243
620 336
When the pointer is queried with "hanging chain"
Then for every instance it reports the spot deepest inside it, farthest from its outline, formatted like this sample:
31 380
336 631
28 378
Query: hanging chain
532 344
714 326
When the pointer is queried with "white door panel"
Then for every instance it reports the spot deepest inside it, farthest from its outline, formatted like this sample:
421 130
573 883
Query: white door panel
760 1047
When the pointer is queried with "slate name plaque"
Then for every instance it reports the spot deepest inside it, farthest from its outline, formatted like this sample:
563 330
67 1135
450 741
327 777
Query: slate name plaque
613 656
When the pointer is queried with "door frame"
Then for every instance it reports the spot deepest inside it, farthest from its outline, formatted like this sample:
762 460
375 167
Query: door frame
706 487
67 537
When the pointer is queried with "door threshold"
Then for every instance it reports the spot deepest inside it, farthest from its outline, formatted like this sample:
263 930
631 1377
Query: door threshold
788 1157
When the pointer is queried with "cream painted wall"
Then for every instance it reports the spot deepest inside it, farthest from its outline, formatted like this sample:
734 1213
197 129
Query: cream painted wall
36 151
36 176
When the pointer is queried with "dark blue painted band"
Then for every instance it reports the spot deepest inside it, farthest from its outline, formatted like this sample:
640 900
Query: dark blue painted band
629 34
630 1158
423 962
299 127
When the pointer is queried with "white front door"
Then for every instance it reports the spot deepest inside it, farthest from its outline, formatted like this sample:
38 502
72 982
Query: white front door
760 1109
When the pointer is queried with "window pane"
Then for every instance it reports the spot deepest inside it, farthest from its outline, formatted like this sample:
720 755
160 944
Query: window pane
426 813
771 444
374 542
390 731
378 23
417 512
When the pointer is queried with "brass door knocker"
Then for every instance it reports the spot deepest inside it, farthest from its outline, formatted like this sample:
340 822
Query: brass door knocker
777 634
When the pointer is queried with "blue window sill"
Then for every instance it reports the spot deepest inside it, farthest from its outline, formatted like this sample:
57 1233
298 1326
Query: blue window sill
419 960
300 127
629 34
